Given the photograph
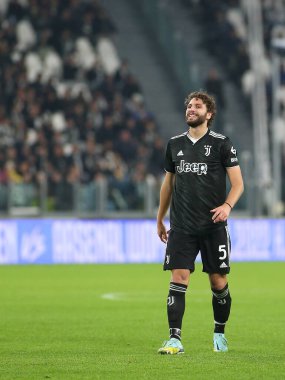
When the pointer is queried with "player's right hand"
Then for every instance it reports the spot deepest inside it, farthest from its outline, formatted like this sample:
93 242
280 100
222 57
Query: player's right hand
161 232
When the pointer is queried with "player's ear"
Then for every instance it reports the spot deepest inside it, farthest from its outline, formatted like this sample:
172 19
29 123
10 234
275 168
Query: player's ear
209 115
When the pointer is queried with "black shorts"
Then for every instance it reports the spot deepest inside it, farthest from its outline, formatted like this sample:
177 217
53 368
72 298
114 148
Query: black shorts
182 250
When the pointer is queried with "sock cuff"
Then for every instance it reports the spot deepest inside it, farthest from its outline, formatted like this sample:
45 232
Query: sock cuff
219 323
221 293
176 287
175 333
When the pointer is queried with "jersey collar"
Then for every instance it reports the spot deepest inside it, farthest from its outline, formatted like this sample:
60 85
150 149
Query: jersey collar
201 138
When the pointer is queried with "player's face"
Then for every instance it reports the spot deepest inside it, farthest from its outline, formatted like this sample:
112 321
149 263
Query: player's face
196 113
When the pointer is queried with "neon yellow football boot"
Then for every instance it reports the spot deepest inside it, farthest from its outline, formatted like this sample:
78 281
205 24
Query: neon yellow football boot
172 346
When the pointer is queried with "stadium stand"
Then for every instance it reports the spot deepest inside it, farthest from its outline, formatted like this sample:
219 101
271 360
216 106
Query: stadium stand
228 38
75 130
72 114
225 35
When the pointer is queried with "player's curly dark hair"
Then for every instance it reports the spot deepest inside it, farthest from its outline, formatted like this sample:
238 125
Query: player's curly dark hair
206 99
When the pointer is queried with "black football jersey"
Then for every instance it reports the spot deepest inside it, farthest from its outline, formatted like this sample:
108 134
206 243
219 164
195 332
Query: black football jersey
200 179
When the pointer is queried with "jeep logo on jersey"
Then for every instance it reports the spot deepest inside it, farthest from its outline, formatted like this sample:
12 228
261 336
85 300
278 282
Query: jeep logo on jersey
208 149
194 167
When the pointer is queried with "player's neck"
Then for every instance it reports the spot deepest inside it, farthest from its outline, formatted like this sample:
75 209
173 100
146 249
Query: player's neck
198 132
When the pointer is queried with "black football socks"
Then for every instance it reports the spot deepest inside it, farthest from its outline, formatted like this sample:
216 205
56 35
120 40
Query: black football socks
221 302
176 308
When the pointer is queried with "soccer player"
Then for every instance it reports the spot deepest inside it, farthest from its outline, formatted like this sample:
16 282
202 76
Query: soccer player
196 164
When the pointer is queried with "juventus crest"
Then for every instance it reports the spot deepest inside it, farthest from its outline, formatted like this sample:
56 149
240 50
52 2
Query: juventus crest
208 149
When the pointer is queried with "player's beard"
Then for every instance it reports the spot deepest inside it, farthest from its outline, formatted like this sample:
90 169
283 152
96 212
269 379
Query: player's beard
197 122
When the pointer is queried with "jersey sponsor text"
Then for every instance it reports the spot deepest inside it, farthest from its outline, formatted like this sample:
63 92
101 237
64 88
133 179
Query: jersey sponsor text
194 167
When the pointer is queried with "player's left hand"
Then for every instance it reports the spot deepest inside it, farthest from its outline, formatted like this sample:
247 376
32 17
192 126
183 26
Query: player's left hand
221 213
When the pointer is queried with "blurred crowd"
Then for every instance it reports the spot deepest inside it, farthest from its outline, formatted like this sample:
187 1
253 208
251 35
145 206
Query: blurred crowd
71 111
224 33
226 37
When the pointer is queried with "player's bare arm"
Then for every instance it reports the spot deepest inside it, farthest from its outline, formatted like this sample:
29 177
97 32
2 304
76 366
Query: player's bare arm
165 198
221 213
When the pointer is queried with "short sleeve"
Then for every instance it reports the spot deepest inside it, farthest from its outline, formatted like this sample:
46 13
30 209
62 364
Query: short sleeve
229 154
168 162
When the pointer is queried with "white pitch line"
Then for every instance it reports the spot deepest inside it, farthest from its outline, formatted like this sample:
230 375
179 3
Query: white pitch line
113 296
116 296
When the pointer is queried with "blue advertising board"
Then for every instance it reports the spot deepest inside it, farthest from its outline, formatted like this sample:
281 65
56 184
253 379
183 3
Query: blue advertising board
41 241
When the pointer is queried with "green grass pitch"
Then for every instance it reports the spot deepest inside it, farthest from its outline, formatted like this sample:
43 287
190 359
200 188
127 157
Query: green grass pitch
107 322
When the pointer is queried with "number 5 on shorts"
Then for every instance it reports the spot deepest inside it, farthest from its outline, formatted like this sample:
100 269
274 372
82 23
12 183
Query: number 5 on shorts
222 248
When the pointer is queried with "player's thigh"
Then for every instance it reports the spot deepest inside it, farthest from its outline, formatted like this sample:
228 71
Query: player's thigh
181 251
215 251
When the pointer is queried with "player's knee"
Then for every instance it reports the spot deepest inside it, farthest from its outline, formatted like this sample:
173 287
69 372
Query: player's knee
180 276
218 281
